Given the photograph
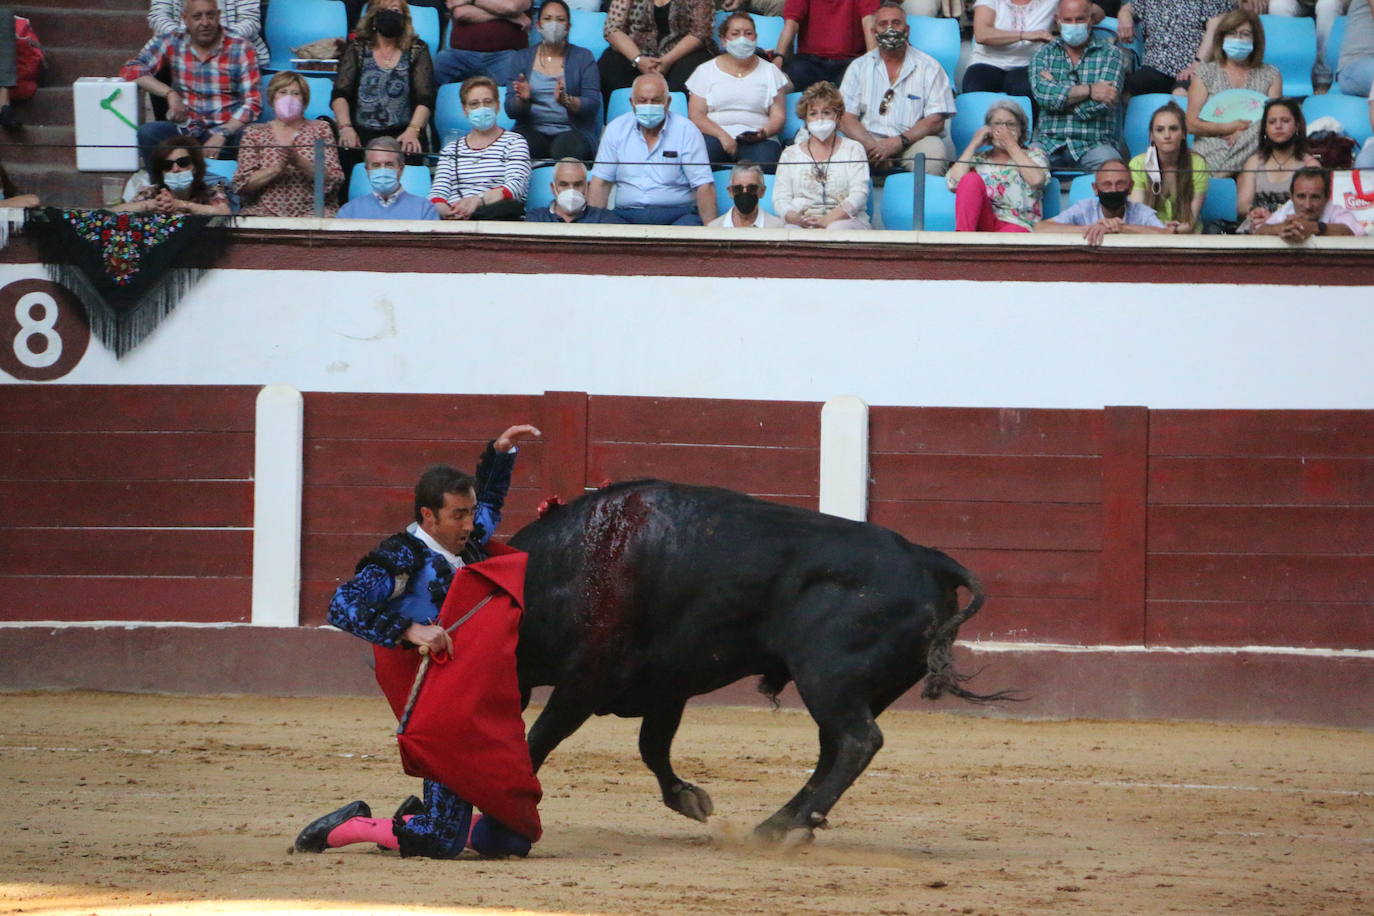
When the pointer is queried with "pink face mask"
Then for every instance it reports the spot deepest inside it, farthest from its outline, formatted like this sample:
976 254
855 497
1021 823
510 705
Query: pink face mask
288 107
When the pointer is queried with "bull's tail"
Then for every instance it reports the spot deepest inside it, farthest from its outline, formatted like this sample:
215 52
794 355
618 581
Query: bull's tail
941 675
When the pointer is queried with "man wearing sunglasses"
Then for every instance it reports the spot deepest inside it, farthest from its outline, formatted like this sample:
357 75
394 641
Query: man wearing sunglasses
897 99
746 190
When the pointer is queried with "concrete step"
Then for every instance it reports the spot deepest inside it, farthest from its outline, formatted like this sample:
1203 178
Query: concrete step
51 106
58 187
69 63
136 6
104 28
37 145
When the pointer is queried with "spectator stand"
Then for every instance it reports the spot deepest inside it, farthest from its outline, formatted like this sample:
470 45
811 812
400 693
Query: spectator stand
971 108
619 104
901 202
451 121
1352 112
425 19
1290 43
415 179
292 23
939 37
321 87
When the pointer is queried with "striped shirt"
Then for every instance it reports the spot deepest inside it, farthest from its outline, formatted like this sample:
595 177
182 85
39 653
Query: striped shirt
216 90
886 109
464 171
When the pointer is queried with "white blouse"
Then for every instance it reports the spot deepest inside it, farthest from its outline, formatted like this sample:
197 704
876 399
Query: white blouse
814 189
1034 16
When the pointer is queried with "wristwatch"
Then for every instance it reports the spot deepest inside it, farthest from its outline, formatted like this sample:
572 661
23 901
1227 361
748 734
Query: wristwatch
635 62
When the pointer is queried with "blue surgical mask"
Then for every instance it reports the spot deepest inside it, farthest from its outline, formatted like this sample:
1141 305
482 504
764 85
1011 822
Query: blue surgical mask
741 48
179 181
384 180
1237 48
482 118
650 114
1075 34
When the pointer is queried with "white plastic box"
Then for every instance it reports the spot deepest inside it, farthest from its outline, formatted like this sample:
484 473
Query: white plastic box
107 116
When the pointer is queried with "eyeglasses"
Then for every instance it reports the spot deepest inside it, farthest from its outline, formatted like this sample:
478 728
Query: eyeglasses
180 162
887 100
743 188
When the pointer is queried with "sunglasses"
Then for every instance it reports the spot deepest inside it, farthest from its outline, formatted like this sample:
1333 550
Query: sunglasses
887 100
181 162
741 188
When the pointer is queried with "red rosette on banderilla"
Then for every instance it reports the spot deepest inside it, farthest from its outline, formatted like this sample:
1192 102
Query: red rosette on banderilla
464 728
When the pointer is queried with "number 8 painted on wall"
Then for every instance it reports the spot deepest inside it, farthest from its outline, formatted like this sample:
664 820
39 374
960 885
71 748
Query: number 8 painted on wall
43 330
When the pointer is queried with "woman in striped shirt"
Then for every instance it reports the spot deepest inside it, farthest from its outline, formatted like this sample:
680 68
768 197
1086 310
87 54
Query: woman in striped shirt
485 173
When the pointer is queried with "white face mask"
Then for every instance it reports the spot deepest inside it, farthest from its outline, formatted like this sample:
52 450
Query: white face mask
571 200
741 48
821 128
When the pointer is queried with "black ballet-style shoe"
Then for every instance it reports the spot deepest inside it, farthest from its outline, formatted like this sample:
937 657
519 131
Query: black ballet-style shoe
315 837
410 806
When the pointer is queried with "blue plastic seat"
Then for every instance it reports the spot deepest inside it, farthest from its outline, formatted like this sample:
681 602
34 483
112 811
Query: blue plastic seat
793 122
619 104
1333 44
1351 111
450 119
898 206
723 201
938 37
415 179
224 168
292 23
1220 202
425 20
1081 189
1139 110
321 88
540 193
1051 201
969 111
1290 43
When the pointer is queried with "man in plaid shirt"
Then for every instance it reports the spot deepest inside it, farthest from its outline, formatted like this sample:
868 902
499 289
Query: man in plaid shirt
1077 83
214 92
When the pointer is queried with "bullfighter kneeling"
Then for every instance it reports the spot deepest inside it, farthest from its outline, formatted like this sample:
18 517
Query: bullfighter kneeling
395 601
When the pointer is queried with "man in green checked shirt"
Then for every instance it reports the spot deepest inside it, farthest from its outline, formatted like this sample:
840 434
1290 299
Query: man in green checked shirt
1076 80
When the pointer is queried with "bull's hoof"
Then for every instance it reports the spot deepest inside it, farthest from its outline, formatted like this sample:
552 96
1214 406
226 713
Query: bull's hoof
690 801
770 833
798 837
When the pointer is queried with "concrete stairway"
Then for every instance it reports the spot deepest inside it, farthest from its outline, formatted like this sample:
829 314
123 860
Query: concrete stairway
80 41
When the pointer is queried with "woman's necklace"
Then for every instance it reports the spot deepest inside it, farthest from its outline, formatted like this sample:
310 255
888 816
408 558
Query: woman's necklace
546 58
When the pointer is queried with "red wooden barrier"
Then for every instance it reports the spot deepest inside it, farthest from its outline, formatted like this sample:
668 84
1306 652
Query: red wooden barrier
126 503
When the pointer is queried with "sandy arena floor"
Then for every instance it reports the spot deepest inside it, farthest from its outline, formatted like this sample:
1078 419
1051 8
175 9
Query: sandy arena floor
142 804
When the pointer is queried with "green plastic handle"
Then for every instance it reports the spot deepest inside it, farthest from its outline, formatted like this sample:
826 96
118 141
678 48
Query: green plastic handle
107 104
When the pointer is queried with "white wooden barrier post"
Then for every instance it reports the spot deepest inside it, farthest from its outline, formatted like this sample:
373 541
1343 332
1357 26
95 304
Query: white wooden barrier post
844 458
278 476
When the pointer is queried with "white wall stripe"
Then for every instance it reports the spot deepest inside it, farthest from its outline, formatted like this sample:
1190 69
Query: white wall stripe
277 491
844 458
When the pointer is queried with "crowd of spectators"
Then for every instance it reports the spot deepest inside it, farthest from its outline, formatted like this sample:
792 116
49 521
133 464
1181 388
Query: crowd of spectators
870 104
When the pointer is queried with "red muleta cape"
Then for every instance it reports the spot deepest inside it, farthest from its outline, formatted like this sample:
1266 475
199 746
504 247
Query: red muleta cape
465 729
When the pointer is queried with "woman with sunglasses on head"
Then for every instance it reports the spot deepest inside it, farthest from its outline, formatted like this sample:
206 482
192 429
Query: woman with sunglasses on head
1263 184
385 84
738 100
179 183
555 98
998 182
1235 62
276 172
823 178
1169 178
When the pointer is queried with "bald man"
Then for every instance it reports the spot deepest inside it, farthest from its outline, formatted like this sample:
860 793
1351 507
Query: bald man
1076 80
656 161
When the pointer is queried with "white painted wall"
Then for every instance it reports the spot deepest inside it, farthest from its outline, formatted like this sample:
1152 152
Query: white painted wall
888 342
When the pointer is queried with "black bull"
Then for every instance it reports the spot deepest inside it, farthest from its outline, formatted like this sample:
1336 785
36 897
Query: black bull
644 594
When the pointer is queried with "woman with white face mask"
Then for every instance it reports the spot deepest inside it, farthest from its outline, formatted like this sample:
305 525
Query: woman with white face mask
276 171
738 99
1236 62
179 183
555 97
823 178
